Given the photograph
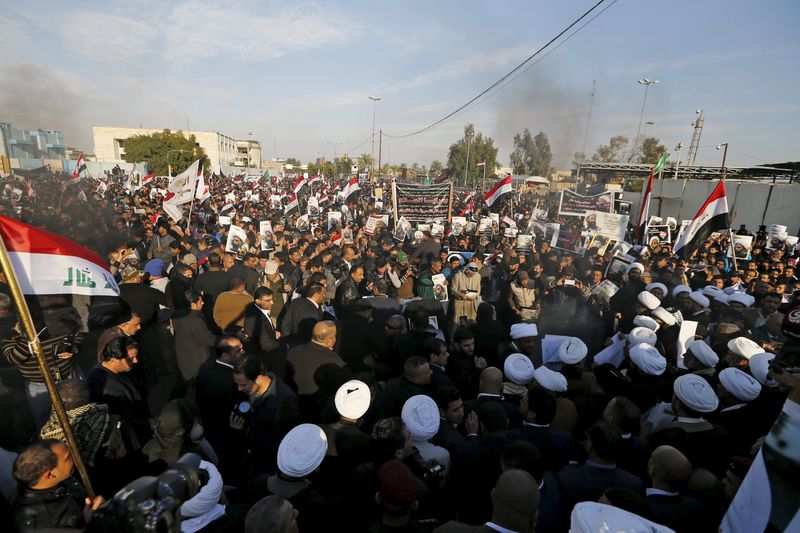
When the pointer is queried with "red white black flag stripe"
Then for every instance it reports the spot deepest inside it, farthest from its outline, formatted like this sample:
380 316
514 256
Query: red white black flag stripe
502 187
712 216
644 212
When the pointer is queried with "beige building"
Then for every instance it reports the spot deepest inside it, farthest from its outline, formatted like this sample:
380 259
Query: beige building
109 146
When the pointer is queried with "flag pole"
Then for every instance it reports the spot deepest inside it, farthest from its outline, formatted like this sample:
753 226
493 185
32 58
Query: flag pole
58 406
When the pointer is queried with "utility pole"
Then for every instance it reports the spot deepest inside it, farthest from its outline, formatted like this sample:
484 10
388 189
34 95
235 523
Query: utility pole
374 99
678 162
724 158
466 165
380 153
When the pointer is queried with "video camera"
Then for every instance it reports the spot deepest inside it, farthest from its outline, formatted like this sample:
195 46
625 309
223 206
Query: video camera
151 503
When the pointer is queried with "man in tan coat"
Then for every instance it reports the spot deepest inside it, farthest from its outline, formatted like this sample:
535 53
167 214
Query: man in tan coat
467 292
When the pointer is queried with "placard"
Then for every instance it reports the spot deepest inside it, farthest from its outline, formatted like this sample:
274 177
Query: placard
741 247
417 203
334 220
524 242
685 336
576 204
568 241
611 225
457 225
237 240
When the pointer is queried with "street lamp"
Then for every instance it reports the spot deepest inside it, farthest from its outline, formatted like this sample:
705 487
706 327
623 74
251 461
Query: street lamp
724 157
647 83
469 134
678 149
372 164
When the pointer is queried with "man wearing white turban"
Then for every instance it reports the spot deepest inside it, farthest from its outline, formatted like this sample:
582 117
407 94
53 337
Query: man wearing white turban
300 453
700 359
518 370
524 340
420 415
697 438
736 391
740 350
352 400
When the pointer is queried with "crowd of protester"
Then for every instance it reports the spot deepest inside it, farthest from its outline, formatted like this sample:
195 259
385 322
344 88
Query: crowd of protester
328 383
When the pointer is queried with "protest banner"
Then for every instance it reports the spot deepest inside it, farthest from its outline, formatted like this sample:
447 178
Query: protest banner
418 203
575 204
741 247
610 225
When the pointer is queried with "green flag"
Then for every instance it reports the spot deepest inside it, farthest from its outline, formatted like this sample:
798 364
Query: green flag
660 164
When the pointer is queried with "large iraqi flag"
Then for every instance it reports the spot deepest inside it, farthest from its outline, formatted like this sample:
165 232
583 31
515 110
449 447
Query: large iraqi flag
501 187
46 263
712 216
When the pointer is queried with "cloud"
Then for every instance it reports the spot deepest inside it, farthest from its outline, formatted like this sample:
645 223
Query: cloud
204 29
703 59
107 37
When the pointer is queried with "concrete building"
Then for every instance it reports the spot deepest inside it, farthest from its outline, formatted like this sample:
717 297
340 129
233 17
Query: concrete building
109 146
20 143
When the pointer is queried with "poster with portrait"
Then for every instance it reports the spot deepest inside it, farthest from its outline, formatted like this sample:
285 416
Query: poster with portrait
312 208
568 241
551 230
511 233
600 242
334 220
237 240
575 204
776 239
618 267
524 242
439 287
485 226
457 225
603 291
402 229
437 230
610 225
303 223
741 247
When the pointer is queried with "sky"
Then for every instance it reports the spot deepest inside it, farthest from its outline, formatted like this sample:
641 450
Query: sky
297 75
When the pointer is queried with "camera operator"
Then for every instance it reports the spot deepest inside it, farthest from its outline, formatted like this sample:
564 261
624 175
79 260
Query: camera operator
47 496
58 351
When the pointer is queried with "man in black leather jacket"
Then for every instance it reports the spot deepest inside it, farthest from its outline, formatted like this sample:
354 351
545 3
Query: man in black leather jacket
47 496
347 291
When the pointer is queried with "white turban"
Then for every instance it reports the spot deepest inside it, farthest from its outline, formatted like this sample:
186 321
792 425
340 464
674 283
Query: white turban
352 399
518 368
744 347
742 385
648 360
704 353
520 331
645 322
695 393
721 297
744 299
642 335
759 368
699 299
203 508
649 300
664 316
711 291
679 289
550 379
591 517
302 450
657 285
572 351
636 265
421 417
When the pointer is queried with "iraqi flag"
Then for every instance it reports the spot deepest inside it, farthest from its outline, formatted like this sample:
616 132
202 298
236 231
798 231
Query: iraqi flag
316 178
351 188
46 263
148 179
299 184
80 168
712 216
644 211
293 204
502 187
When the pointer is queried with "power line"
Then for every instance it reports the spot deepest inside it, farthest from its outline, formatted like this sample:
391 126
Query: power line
506 76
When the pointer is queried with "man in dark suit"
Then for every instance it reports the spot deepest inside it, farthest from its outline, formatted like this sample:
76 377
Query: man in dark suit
538 408
436 352
347 291
216 397
633 452
416 379
304 360
261 336
143 299
300 315
359 339
477 465
588 481
670 470
194 342
383 307
490 387
212 283
451 413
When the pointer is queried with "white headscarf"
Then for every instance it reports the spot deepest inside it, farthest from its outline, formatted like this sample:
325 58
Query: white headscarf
759 368
572 351
645 321
648 360
744 347
550 379
642 335
703 353
352 399
522 330
649 300
743 386
591 517
695 393
518 368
